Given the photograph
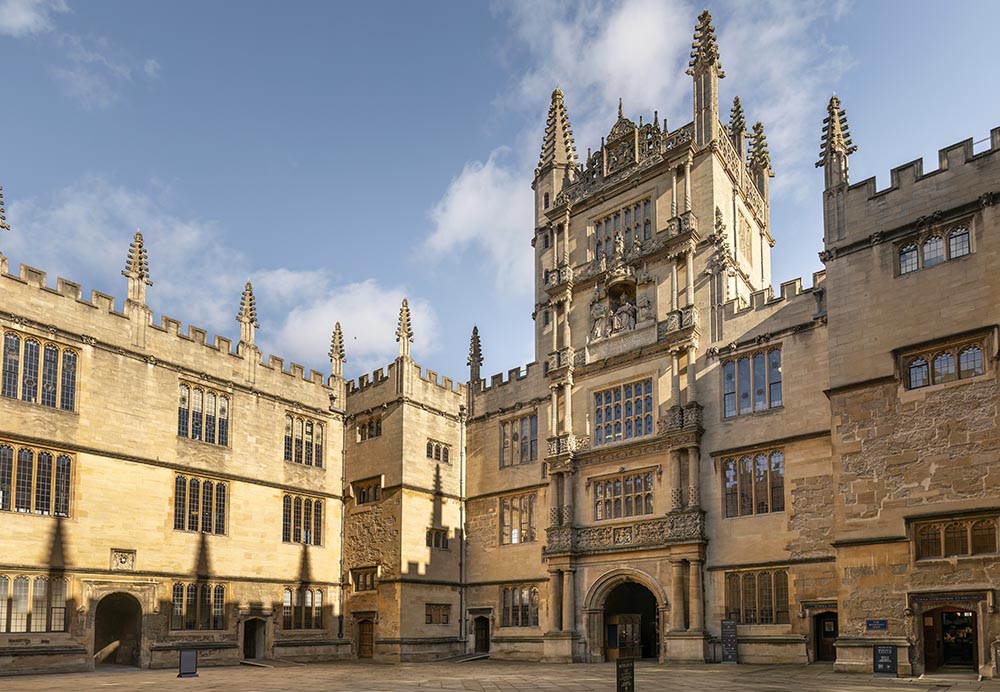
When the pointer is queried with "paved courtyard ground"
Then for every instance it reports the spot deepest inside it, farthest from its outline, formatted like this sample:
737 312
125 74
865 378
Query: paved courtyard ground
485 676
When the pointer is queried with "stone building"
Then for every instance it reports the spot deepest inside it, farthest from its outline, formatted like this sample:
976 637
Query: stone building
816 466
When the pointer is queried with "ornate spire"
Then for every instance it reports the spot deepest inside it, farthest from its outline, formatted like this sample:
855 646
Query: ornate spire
247 316
704 50
337 352
836 144
621 111
404 331
475 355
760 159
738 127
557 145
137 270
3 217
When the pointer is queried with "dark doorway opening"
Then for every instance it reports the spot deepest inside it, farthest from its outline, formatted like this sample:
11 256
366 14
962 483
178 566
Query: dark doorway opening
366 638
950 639
118 626
631 628
825 635
481 626
253 638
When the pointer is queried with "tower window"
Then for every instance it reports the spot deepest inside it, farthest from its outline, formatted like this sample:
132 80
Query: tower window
545 200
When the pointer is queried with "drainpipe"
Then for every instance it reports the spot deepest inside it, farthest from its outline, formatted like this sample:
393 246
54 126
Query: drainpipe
462 417
343 511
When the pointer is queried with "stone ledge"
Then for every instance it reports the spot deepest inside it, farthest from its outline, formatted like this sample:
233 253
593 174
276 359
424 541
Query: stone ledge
201 646
41 650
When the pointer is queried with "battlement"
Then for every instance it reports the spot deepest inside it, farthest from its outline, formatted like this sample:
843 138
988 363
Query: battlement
386 374
765 300
961 176
513 375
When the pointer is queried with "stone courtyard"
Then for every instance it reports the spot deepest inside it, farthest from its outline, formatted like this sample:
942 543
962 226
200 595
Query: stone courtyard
488 676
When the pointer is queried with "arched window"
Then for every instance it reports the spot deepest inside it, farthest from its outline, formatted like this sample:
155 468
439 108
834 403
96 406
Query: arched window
19 605
219 608
729 389
210 417
307 609
196 413
286 519
43 483
944 367
194 496
309 443
444 454
183 410
22 489
781 615
318 612
206 506
760 486
288 438
984 536
4 590
970 362
749 598
205 607
67 398
57 607
220 508
777 482
29 375
177 607
765 599
63 468
933 251
929 541
774 376
317 523
746 486
286 609
298 440
956 539
6 476
307 522
39 605
224 421
731 487
318 460
50 375
297 520
743 367
11 363
759 382
958 242
733 596
919 373
907 259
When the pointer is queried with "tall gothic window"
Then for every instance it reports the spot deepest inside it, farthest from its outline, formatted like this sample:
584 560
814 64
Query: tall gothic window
203 414
517 519
199 505
301 520
303 441
624 412
754 484
518 440
519 606
751 383
34 480
31 372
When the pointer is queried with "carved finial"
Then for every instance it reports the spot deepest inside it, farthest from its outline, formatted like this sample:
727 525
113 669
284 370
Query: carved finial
621 112
558 146
836 139
3 217
475 355
704 51
760 157
737 122
137 270
404 331
720 226
337 352
248 307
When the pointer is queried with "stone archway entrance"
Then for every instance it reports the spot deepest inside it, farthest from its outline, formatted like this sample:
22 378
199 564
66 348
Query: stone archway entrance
951 639
254 631
624 615
118 630
825 636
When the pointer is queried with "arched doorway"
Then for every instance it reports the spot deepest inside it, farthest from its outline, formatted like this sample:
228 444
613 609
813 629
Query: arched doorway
254 630
630 623
118 629
366 638
951 639
481 627
825 636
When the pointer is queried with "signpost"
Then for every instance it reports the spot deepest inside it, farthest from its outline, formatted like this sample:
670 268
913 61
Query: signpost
625 675
729 642
188 666
885 663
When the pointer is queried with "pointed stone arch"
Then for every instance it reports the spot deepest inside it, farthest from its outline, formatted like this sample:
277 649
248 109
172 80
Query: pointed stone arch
597 596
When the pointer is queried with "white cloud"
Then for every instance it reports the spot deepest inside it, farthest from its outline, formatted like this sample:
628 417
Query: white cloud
152 68
83 234
20 18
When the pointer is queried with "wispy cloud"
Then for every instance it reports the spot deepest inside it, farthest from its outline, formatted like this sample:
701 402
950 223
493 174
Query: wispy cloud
19 18
83 233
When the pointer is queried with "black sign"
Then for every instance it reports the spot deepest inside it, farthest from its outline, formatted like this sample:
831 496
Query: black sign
729 642
625 677
188 667
876 624
884 660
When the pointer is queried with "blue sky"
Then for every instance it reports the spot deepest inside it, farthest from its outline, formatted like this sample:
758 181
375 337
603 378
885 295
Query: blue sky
343 155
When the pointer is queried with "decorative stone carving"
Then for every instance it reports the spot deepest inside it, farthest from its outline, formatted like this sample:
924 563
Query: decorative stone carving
598 313
677 527
645 307
122 560
624 318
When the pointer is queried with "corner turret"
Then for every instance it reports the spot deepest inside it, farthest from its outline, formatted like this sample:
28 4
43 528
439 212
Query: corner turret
835 147
707 71
557 160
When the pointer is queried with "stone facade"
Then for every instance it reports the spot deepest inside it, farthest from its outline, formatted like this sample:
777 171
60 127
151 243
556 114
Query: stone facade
816 464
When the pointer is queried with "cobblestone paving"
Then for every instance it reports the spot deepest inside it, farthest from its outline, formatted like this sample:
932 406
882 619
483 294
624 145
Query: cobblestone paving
484 676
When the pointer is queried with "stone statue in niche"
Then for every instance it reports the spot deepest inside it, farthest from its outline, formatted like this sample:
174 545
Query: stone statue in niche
645 307
599 314
636 245
619 246
624 317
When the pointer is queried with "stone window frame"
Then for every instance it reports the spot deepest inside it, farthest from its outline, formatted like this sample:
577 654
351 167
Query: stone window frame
437 613
21 474
603 227
437 538
56 389
302 609
610 507
731 371
364 579
368 427
438 451
197 606
367 490
198 425
922 367
193 505
51 601
303 441
519 605
935 539
646 418
302 519
745 593
520 518
915 247
732 468
513 449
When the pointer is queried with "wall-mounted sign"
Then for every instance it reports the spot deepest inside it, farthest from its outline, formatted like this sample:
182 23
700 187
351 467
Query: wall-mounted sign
876 625
885 663
730 643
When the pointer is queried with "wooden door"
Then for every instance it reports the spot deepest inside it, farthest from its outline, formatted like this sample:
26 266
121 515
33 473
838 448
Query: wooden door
482 635
366 638
826 637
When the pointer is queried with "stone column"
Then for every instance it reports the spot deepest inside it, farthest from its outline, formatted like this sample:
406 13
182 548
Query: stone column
694 484
677 596
687 184
690 277
568 601
568 406
673 192
675 378
673 284
676 496
695 595
567 334
567 498
555 410
692 393
555 600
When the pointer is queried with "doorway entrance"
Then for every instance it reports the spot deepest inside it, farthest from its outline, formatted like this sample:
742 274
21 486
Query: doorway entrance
630 623
366 638
254 630
825 635
950 639
481 626
118 629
